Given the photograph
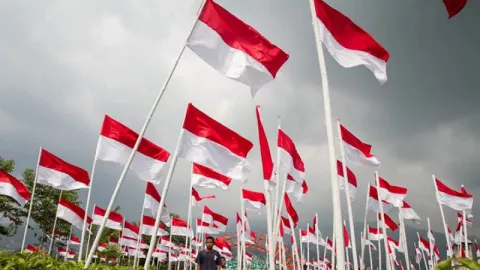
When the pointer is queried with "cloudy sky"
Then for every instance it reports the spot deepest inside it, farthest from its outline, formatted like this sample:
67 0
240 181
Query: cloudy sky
65 64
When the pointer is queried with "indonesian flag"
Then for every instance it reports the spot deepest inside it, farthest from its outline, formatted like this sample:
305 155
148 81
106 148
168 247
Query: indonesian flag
234 48
112 240
296 189
148 226
346 238
451 235
74 241
130 230
179 227
357 151
477 250
114 220
419 255
53 171
196 198
388 222
71 213
102 246
196 242
460 219
308 236
394 244
460 201
373 204
267 161
430 236
424 245
408 213
208 178
390 193
116 143
454 6
290 159
253 200
13 188
207 142
31 249
349 44
292 213
330 245
352 180
166 242
152 201
204 227
249 256
211 217
131 242
286 225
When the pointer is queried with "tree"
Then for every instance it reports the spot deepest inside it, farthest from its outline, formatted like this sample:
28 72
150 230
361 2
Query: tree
8 206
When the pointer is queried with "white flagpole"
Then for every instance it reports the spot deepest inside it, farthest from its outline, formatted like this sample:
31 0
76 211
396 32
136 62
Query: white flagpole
169 253
331 145
31 202
300 242
135 148
68 242
334 248
365 223
189 223
430 240
308 246
166 186
244 236
403 237
54 225
465 231
423 254
445 228
349 200
294 241
370 254
318 239
136 259
418 263
382 213
89 234
380 249
325 250
239 255
85 218
346 250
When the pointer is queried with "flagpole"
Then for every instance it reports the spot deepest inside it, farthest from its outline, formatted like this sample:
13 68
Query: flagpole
308 246
54 225
370 254
382 213
68 242
349 200
316 234
137 144
162 201
423 254
82 238
31 202
331 145
430 240
189 213
244 237
379 247
136 260
365 223
445 228
294 241
465 230
403 238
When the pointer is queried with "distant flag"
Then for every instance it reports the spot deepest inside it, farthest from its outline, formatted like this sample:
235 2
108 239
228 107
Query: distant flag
296 189
112 240
352 180
152 201
196 198
357 151
148 225
390 193
267 161
349 44
292 213
71 213
454 6
234 48
408 213
290 159
389 222
130 230
375 234
207 178
253 200
373 203
114 220
215 218
460 201
74 241
346 238
179 227
13 188
460 219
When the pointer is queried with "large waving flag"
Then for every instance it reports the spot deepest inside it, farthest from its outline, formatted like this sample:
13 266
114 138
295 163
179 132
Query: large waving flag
460 201
454 6
357 151
13 188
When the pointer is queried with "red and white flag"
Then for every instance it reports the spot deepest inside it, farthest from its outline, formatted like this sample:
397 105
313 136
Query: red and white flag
390 193
460 219
206 142
352 180
373 203
394 244
349 44
114 220
74 241
130 230
71 213
116 143
179 227
214 218
234 48
205 228
454 6
196 198
290 159
253 200
31 249
292 213
196 242
207 178
286 225
346 238
477 250
357 151
408 213
152 201
267 161
102 246
148 226
53 171
13 188
460 201
308 237
296 189
388 222
112 240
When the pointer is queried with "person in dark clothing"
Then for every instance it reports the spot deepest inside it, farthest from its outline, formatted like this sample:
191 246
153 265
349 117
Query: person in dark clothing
209 259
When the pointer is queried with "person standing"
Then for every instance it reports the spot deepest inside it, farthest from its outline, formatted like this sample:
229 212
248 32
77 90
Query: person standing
209 259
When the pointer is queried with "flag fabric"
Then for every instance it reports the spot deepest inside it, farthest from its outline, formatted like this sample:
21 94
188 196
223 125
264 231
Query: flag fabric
460 219
356 151
349 44
290 159
71 213
253 200
116 143
152 201
308 237
352 180
234 48
214 218
112 240
394 244
55 172
148 226
460 201
13 188
207 178
454 6
114 220
267 161
74 241
408 213
346 238
206 142
373 203
296 189
130 230
388 222
196 198
292 213
424 245
31 249
390 193
204 227
477 249
179 227
286 225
